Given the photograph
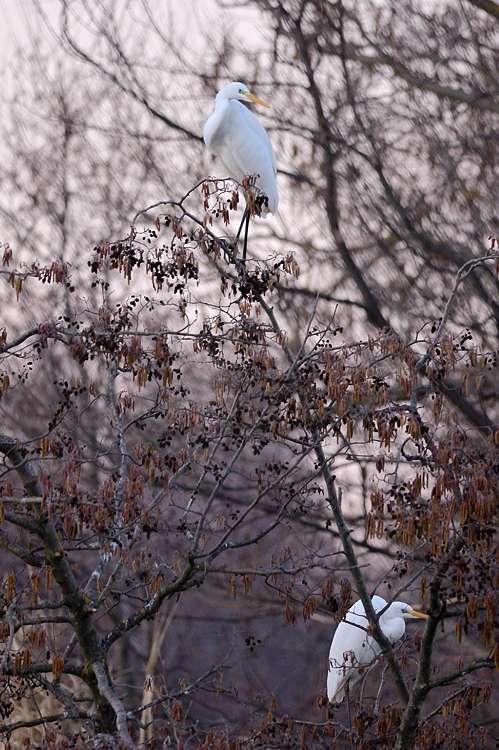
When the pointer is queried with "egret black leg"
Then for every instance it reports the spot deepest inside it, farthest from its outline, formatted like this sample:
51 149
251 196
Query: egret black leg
245 245
347 693
246 212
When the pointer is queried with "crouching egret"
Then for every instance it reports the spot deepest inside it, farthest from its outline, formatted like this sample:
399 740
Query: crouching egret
237 136
353 649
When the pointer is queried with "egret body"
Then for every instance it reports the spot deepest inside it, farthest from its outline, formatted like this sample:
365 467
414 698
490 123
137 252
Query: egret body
237 136
353 649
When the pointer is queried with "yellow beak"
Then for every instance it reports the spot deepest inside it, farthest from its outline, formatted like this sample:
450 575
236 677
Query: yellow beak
417 615
255 100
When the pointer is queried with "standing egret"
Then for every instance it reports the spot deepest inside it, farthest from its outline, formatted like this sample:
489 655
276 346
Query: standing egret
353 649
237 136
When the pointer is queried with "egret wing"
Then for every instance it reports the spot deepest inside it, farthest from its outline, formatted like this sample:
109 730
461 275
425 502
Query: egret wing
351 649
245 148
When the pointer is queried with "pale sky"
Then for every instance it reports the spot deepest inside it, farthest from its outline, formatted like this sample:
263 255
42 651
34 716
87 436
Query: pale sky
18 20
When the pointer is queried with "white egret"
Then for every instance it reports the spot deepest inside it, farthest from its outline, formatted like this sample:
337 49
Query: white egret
353 649
237 136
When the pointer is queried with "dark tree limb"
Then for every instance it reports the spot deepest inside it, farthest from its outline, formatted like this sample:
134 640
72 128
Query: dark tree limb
73 598
406 736
448 679
7 729
149 610
489 6
21 552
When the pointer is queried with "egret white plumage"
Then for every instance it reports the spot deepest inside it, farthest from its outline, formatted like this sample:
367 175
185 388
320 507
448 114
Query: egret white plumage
353 649
237 136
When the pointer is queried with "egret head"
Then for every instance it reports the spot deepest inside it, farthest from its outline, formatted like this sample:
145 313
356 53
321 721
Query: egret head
238 90
401 609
